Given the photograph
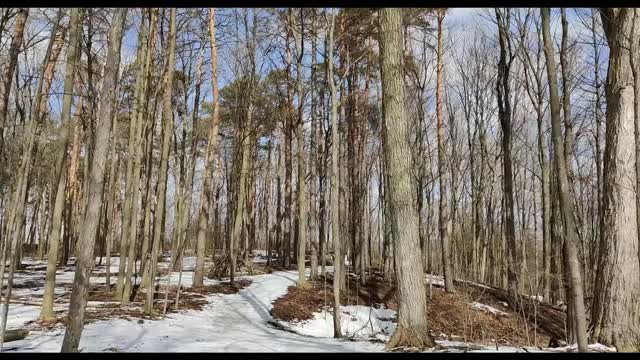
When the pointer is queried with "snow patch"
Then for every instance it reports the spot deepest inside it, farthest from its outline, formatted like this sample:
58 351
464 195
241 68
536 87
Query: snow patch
361 322
437 280
536 297
597 347
461 346
486 308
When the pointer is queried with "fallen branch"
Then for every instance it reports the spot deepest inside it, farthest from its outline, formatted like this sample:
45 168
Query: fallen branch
550 318
15 334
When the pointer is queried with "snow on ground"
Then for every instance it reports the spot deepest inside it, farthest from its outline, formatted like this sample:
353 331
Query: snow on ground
259 253
237 322
65 277
594 347
361 322
454 346
20 315
486 308
536 297
437 280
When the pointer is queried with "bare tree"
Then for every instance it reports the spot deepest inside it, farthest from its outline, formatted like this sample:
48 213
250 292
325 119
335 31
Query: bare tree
503 18
615 304
54 236
444 220
212 147
302 173
338 262
566 203
412 329
85 262
161 193
7 76
18 196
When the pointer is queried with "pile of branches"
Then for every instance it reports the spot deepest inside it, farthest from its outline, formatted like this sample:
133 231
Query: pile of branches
222 264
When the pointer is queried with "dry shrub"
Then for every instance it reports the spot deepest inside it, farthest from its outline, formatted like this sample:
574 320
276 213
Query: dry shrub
300 304
449 313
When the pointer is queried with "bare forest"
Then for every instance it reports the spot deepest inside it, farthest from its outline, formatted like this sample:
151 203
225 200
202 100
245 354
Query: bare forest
289 179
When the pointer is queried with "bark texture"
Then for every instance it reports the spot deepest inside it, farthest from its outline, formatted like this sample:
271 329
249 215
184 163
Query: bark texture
615 313
412 329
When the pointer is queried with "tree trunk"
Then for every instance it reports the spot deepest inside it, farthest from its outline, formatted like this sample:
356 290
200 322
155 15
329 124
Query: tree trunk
85 262
134 160
412 329
161 194
7 77
313 155
302 193
443 214
149 117
335 192
266 202
504 115
114 197
614 313
288 167
58 204
212 148
566 202
598 147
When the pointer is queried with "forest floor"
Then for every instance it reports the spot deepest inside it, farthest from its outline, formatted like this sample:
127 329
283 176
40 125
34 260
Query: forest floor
467 315
262 313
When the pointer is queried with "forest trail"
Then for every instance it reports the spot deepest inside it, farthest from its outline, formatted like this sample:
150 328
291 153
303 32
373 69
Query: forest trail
236 323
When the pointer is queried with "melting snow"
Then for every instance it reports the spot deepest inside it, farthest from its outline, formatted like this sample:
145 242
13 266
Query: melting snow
487 308
437 280
237 322
361 322
234 323
536 297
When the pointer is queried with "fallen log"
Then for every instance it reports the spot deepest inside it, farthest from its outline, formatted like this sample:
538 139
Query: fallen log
549 318
15 334
24 302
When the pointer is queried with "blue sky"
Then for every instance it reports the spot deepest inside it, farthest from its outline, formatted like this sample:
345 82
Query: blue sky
459 23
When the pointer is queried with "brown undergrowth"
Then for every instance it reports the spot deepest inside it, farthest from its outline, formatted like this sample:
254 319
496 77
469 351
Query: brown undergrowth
221 288
450 316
